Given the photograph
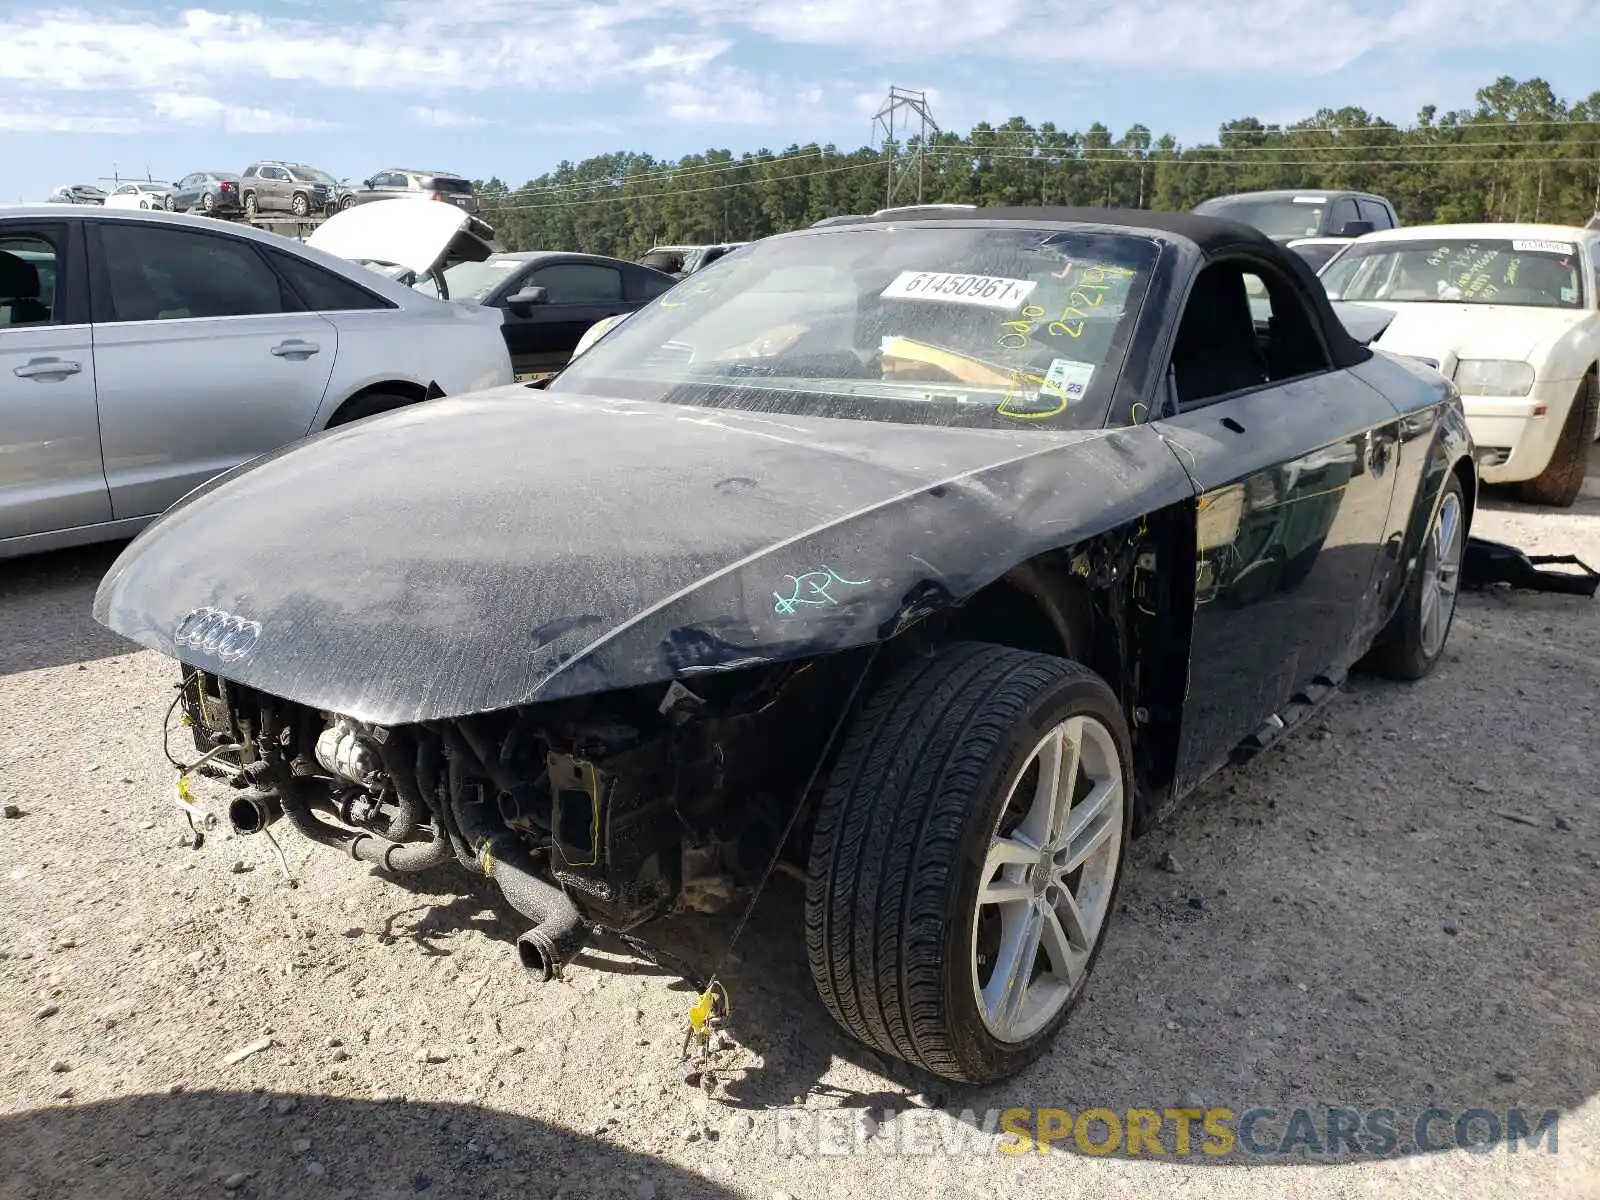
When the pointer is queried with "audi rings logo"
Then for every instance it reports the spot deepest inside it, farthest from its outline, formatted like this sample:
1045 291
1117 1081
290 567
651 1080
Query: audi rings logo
219 634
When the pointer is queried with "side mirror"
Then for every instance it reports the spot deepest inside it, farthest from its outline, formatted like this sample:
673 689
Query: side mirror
521 301
366 183
1354 229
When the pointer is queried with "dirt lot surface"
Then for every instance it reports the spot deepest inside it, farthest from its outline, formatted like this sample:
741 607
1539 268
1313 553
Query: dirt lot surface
1395 910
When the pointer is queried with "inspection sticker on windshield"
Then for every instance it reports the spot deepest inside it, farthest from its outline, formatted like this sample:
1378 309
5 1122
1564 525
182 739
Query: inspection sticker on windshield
1544 247
985 291
1067 379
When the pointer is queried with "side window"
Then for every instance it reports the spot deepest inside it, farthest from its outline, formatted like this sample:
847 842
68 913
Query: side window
159 274
1372 211
1290 343
28 264
390 180
579 283
1224 345
323 291
250 172
648 287
1342 212
273 173
1216 350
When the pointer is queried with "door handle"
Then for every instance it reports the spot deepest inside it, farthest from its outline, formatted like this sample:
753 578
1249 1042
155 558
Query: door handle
294 348
46 368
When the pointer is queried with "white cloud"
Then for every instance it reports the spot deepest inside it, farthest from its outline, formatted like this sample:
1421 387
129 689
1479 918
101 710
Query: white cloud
727 97
444 118
46 122
181 109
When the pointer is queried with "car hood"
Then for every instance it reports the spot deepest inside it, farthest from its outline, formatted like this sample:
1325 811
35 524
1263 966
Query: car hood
418 234
514 546
1447 333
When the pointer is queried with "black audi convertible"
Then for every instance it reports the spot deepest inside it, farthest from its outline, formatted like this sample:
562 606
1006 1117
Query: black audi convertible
940 551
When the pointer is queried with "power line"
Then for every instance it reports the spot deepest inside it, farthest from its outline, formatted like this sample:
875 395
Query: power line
1174 162
1004 138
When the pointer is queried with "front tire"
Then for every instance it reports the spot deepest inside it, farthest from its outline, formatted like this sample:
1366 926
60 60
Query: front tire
1559 484
956 904
1413 642
300 206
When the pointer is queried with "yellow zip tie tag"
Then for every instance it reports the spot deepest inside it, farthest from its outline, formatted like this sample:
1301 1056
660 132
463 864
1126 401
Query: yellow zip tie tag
706 1007
185 796
700 1011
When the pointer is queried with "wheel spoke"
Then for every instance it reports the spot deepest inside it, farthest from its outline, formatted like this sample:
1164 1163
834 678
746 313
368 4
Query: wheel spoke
1057 759
1007 990
1089 825
1000 884
1066 957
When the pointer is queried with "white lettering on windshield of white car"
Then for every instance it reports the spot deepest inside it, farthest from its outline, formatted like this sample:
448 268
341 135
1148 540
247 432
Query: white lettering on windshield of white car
1537 247
984 291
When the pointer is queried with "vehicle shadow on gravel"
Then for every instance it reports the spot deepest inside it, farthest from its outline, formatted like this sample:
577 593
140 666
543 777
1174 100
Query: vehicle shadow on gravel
46 603
201 1143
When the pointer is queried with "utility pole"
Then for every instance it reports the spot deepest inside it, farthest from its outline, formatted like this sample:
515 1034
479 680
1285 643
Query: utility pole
903 109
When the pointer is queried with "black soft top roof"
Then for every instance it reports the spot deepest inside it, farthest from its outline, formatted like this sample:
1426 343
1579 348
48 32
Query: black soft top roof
1212 236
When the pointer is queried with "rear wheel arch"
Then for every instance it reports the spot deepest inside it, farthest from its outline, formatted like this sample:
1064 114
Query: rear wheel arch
381 397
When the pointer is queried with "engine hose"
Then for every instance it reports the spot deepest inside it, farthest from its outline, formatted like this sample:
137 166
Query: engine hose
398 762
559 931
488 762
367 847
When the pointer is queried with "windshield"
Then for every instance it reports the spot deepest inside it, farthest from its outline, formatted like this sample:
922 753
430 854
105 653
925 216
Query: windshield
948 325
312 174
1292 218
1528 272
474 281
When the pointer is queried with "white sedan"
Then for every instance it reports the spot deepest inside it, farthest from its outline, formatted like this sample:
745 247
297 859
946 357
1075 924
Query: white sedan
148 196
1512 314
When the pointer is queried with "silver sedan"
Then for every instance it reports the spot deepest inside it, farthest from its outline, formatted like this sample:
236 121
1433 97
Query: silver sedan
142 353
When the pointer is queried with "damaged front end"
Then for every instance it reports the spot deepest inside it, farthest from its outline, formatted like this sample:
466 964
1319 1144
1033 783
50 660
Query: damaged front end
592 814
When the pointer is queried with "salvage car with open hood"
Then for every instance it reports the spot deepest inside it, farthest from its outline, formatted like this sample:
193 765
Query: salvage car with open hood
940 551
410 239
1511 313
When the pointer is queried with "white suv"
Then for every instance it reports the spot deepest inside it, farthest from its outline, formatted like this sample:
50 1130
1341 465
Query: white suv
142 353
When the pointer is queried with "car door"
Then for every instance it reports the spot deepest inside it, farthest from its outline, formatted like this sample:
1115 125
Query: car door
51 476
274 190
1291 459
204 358
577 295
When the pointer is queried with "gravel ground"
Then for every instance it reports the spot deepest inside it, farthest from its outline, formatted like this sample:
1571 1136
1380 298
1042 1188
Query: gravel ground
1396 909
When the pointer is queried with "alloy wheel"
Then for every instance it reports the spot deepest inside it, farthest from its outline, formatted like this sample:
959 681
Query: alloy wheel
1441 574
1048 878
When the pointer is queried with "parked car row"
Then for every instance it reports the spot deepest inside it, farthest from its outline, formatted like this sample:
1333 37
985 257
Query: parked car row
275 185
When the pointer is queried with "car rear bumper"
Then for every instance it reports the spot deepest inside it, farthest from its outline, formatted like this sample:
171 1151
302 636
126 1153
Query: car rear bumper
1516 435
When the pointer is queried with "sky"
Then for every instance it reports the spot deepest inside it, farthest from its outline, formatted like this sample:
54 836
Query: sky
513 87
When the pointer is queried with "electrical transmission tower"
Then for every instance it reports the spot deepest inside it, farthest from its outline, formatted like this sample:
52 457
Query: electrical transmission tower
902 112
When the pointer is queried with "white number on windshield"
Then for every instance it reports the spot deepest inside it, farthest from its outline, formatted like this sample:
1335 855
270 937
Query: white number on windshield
985 291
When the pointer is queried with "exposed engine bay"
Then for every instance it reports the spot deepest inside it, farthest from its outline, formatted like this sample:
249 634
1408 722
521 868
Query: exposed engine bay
597 813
